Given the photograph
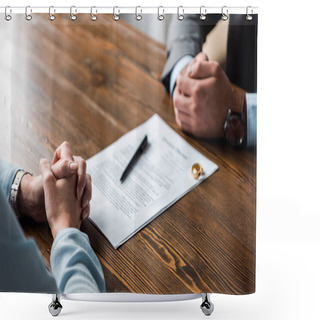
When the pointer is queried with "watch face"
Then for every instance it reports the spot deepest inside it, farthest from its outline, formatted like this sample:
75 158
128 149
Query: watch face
234 129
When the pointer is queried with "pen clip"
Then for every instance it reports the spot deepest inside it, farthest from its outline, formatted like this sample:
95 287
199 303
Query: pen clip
144 144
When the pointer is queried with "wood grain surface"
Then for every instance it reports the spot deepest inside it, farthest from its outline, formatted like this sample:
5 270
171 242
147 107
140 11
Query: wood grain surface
89 83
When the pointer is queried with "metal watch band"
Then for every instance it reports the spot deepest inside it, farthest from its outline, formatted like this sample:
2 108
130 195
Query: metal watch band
15 189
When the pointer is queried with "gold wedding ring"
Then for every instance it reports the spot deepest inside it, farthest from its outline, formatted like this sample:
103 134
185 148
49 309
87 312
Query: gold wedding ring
197 170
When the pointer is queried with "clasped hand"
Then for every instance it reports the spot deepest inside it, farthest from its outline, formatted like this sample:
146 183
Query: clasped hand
202 97
61 194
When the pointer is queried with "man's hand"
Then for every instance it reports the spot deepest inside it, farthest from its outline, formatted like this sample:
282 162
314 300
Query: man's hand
31 194
62 206
30 200
202 97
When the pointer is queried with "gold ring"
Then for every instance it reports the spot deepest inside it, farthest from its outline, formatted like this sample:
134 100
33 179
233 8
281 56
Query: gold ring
197 170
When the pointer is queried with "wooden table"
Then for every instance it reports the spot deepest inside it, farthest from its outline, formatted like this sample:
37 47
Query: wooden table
89 83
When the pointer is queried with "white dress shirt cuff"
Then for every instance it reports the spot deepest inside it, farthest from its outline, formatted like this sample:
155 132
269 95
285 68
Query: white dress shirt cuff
179 66
251 119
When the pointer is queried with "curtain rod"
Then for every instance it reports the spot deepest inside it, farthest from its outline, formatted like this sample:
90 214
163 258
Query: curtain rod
129 10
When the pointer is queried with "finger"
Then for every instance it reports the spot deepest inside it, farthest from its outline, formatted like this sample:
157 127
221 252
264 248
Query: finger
62 152
46 173
204 69
182 117
201 56
186 127
64 168
81 175
176 116
181 102
183 120
85 212
185 84
87 193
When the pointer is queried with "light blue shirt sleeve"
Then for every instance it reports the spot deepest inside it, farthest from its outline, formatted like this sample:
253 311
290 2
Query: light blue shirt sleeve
179 66
75 266
251 119
7 174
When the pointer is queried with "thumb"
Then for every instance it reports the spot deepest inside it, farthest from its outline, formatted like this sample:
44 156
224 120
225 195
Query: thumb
204 69
64 168
46 173
201 56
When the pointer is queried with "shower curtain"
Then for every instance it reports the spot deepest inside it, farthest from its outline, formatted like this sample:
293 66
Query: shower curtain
90 79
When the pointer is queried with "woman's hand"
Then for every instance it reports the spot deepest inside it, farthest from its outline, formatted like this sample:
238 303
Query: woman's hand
30 199
62 206
61 165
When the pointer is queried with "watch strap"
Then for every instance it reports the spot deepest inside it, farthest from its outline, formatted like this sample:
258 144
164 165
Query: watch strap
238 100
15 190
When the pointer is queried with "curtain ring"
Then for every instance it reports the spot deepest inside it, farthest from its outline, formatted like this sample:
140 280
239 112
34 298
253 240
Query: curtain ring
224 13
93 16
7 16
180 13
249 15
160 16
51 15
116 16
203 13
73 15
138 16
28 13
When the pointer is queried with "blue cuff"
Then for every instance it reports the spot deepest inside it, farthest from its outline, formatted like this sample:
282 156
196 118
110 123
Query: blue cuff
75 266
66 232
7 174
179 66
251 119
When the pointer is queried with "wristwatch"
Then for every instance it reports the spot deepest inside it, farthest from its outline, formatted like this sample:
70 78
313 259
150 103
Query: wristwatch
15 190
235 123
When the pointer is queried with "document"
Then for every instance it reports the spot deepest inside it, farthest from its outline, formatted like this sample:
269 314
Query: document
160 177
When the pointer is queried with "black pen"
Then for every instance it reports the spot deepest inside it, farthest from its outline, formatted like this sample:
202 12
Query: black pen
135 157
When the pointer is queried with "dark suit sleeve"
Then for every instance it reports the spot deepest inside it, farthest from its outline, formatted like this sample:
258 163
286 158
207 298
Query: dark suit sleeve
185 38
